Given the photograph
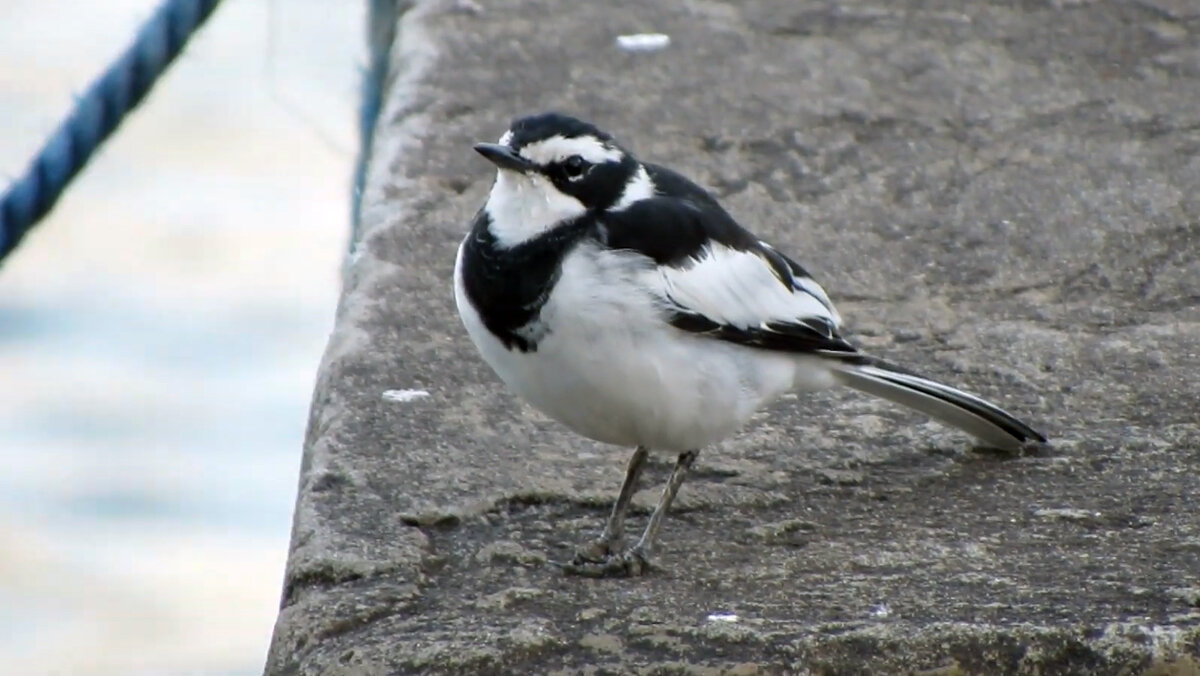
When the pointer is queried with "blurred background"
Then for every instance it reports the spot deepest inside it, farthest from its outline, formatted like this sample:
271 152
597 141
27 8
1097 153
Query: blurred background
160 331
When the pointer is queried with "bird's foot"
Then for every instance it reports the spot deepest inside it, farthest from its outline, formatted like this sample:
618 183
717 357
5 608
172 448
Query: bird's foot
601 559
600 549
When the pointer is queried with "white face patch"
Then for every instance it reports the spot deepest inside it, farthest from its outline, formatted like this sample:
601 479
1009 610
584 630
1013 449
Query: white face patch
523 206
558 148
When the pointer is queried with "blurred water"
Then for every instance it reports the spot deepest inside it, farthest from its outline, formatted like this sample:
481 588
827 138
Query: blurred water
159 334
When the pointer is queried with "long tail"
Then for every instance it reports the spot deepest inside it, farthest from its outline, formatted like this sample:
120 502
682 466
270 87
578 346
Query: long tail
986 422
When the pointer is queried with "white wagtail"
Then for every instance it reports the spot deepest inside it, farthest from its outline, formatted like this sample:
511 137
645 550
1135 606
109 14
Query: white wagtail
621 299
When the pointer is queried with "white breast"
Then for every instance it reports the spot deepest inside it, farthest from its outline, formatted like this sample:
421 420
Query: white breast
612 370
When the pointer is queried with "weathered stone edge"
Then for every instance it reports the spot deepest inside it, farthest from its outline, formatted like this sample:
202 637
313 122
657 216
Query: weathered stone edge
962 647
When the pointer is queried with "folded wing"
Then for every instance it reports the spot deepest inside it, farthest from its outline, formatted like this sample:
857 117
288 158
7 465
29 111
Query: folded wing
716 278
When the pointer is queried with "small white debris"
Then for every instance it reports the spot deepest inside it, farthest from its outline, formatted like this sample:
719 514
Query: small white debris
881 611
643 42
1066 514
404 396
468 7
723 617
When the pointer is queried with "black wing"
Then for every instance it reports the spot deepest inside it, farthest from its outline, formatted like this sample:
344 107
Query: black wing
716 278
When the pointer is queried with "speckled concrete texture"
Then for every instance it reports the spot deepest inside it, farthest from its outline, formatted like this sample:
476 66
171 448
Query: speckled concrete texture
1005 195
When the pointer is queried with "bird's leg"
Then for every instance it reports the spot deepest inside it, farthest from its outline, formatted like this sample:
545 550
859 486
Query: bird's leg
637 560
612 539
646 546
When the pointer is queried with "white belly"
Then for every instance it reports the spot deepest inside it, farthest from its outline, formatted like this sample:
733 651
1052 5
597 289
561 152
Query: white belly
612 370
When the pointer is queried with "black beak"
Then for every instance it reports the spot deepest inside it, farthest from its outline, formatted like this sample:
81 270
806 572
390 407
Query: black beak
503 157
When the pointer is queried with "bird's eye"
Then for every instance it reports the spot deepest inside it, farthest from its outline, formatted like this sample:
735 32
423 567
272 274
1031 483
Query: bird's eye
574 167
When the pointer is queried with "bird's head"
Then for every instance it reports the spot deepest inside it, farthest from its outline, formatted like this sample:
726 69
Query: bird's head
552 169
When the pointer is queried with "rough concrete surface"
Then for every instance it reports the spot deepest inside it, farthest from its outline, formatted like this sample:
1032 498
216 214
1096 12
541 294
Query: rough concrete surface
1003 194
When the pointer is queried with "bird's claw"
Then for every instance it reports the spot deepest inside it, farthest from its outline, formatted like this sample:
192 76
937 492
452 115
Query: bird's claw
600 560
598 550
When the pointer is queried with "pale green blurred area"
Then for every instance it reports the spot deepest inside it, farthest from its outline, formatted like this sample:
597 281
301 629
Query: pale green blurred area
160 331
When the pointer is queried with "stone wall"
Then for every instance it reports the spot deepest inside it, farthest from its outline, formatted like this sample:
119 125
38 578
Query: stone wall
1005 195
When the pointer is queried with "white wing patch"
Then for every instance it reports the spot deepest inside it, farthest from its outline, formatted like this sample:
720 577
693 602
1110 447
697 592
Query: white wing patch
810 285
559 147
739 288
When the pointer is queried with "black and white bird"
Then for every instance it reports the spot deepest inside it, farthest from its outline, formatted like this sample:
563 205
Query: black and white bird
622 300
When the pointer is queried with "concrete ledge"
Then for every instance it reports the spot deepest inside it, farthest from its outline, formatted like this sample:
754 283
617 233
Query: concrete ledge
1006 195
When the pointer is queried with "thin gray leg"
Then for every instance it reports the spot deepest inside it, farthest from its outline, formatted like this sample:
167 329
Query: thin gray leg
612 539
646 546
635 561
614 530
